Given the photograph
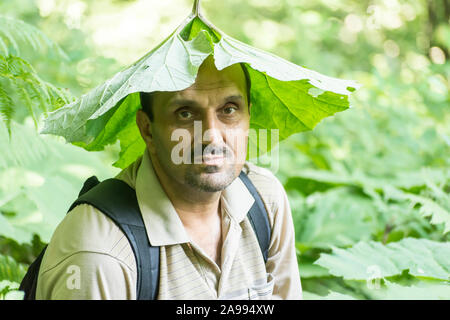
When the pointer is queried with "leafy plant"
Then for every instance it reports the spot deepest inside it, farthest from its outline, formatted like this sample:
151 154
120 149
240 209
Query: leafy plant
14 34
423 258
33 168
22 91
434 202
10 269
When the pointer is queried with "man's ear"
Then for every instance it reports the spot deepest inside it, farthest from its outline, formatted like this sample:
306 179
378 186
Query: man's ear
145 127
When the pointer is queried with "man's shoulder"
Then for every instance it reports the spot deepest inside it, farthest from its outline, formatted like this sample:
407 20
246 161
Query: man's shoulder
268 185
252 169
263 179
87 246
86 229
129 174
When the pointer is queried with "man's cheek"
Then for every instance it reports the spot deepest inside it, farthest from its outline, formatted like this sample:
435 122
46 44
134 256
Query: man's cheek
179 146
237 141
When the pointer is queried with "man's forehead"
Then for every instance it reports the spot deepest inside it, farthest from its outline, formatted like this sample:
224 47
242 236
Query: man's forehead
229 81
226 82
212 93
216 86
208 77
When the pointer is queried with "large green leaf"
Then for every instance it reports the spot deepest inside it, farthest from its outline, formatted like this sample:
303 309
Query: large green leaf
422 257
335 218
422 290
284 96
419 290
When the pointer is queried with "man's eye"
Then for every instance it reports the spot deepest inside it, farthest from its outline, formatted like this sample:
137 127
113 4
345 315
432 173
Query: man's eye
229 110
184 114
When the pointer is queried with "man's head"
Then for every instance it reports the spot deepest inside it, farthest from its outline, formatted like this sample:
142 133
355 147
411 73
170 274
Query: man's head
216 109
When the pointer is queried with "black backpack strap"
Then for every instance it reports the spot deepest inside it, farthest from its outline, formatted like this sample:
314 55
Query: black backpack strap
29 282
258 217
118 201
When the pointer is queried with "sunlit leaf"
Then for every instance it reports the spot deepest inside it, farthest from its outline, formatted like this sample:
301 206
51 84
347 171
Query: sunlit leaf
419 291
422 257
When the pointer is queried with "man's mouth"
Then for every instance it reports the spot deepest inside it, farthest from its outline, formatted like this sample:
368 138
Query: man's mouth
210 160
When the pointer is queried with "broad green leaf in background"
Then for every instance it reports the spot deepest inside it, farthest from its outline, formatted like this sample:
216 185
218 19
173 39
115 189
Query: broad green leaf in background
311 270
422 257
388 290
334 218
423 290
284 96
357 178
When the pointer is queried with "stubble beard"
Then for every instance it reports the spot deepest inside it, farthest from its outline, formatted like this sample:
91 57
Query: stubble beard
210 179
205 178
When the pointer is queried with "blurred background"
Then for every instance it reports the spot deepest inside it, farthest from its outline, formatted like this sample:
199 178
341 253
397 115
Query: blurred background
368 187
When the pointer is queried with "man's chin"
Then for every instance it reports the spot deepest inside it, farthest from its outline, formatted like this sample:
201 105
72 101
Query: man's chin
210 178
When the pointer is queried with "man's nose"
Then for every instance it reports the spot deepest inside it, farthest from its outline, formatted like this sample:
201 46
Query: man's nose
212 129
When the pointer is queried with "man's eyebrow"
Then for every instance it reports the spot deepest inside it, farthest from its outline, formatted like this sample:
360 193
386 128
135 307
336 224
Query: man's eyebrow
192 103
183 102
234 98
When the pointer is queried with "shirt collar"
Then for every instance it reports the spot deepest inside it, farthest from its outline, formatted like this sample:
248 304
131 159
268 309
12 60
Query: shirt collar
163 225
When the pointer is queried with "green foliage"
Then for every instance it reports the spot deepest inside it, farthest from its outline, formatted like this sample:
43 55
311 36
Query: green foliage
333 219
433 201
15 33
23 253
369 188
10 269
33 168
22 91
423 258
424 290
9 291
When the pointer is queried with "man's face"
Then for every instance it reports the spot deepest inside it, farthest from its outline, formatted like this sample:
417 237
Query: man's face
212 116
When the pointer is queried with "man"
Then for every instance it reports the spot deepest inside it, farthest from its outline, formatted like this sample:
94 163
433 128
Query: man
196 210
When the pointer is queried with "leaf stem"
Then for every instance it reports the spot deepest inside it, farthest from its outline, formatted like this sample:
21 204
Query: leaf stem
196 8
